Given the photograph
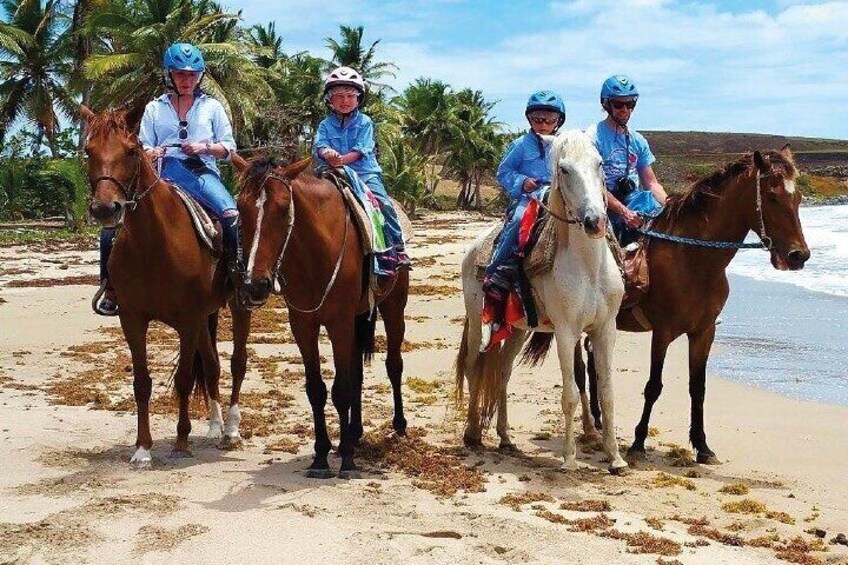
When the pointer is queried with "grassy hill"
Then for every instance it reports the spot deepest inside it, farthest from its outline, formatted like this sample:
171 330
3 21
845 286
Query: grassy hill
683 157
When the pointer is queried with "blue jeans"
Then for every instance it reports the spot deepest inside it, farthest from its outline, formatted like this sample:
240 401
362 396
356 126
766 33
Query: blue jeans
505 256
392 231
205 186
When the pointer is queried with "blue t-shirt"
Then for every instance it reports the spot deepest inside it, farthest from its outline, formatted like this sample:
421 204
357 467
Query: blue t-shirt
526 157
610 144
357 134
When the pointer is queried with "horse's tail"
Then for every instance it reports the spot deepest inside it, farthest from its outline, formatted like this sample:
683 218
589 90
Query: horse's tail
536 348
485 376
203 382
364 327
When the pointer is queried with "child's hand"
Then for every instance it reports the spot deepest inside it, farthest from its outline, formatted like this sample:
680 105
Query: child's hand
332 157
530 185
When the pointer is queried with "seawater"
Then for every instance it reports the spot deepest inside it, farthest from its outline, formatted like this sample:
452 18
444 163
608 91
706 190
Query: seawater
788 331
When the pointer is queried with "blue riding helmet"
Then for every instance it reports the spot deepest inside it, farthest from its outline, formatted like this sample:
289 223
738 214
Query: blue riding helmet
618 86
183 57
546 100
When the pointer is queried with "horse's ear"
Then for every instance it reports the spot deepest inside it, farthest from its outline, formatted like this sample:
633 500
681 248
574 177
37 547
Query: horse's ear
238 162
85 113
133 117
786 152
761 162
291 171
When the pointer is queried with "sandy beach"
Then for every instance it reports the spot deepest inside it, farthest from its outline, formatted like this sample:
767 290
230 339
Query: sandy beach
67 424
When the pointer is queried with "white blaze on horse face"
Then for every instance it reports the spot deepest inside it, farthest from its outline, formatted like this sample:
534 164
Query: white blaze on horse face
260 204
789 185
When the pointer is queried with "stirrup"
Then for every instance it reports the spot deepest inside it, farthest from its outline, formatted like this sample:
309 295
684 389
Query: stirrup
98 307
486 339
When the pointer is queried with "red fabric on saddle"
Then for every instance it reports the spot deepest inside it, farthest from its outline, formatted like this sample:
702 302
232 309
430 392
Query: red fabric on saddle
528 220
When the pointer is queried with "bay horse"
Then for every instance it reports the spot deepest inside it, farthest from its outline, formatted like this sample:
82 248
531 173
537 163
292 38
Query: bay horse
160 271
689 246
581 293
301 235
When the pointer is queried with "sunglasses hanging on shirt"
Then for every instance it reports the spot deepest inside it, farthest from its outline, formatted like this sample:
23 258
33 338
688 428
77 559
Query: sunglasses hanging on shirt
183 133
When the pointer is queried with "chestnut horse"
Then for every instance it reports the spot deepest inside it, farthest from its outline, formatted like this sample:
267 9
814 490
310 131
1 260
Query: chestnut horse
300 235
689 246
160 271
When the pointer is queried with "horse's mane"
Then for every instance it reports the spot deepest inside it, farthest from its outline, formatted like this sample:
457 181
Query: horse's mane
107 123
575 144
702 192
250 179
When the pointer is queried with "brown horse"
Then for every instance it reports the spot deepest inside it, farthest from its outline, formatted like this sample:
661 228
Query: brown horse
160 271
688 285
301 235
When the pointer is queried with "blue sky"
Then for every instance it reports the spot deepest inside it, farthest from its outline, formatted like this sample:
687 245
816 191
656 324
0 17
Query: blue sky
764 66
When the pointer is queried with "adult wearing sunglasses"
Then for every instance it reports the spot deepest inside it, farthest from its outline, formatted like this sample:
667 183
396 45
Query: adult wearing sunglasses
188 130
525 175
632 186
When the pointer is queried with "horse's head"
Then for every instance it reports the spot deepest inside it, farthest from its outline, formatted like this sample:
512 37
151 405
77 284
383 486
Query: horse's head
114 157
776 216
579 178
265 211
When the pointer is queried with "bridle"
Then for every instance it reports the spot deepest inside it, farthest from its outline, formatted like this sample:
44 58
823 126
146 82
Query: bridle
134 197
279 280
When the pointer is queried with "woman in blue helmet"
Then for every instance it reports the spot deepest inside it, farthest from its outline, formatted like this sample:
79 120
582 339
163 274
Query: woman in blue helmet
188 130
632 186
524 174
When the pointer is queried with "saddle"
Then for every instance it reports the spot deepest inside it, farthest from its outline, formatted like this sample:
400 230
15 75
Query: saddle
539 256
208 230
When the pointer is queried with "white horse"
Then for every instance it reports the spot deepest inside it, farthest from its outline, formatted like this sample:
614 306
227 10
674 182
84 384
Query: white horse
581 293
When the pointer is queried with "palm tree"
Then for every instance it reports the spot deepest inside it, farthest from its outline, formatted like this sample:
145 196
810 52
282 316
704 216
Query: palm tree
132 36
34 63
351 52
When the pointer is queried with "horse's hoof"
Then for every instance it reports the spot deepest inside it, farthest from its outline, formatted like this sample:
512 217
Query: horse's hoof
570 465
636 454
620 470
507 447
319 474
230 443
707 458
141 459
215 431
351 474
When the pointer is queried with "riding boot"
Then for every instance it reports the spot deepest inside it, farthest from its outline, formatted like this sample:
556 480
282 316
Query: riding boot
233 255
105 301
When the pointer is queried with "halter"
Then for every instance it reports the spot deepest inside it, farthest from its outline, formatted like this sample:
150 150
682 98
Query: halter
567 220
765 242
279 279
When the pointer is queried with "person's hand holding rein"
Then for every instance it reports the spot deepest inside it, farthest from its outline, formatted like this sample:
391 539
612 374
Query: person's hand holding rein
530 184
155 153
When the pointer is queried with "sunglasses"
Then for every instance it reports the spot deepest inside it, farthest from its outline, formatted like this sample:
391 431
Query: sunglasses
183 133
539 120
619 104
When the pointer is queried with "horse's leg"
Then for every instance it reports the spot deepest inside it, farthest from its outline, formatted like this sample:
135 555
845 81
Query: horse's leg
590 433
510 350
603 340
699 350
341 336
659 346
594 405
238 368
392 310
473 436
208 352
306 335
565 341
364 331
184 380
135 332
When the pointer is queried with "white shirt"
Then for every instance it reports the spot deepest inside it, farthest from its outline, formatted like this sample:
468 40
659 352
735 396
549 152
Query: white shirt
207 123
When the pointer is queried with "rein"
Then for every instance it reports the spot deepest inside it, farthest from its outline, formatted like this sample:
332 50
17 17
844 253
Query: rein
135 197
279 279
765 242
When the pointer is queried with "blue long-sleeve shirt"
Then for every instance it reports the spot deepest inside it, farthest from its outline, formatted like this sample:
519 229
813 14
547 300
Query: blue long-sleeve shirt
357 134
526 157
207 122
